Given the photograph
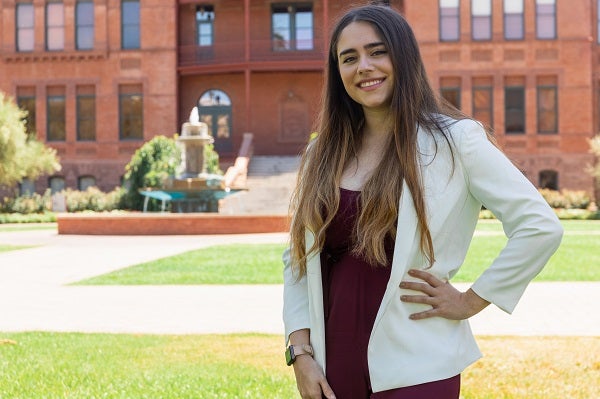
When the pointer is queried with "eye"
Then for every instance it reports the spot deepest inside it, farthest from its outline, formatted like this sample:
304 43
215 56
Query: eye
347 60
379 52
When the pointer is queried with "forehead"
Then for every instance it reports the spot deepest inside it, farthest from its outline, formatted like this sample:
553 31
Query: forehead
357 35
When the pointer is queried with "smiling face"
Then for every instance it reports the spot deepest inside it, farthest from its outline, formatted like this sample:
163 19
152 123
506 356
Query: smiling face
365 66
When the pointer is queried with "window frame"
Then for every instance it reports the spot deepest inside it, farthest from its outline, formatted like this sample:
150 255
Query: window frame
292 41
50 30
210 10
490 89
79 26
554 21
30 122
523 110
18 28
445 17
63 119
539 111
137 25
452 89
80 118
489 19
123 118
504 19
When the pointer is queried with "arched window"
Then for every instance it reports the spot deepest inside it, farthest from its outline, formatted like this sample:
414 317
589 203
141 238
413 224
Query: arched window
549 179
26 187
84 182
214 108
56 184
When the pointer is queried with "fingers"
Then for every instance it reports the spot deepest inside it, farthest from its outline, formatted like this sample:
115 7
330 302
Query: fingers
327 391
427 277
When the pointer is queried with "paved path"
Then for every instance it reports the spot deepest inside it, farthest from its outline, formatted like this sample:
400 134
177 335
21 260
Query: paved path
35 293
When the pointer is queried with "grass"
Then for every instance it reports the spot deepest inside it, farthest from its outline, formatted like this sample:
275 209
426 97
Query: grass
74 366
27 227
575 260
6 248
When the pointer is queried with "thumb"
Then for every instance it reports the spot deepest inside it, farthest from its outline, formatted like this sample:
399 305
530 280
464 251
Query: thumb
327 391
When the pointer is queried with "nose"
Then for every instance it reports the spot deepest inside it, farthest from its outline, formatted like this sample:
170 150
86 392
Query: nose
364 65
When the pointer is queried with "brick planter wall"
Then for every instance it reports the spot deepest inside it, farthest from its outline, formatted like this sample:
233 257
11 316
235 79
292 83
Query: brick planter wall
169 224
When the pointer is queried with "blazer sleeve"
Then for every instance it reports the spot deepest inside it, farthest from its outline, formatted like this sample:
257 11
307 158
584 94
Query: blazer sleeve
296 314
531 226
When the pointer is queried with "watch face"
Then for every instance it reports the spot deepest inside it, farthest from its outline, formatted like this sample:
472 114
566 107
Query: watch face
289 355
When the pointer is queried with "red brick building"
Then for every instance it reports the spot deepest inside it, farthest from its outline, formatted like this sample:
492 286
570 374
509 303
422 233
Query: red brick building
101 77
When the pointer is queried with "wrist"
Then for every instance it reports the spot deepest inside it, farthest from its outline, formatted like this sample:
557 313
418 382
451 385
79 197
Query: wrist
294 351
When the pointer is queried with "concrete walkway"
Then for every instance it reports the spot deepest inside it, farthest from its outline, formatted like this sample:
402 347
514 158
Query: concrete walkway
35 293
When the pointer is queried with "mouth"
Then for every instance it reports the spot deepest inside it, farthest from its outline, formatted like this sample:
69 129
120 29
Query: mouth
370 83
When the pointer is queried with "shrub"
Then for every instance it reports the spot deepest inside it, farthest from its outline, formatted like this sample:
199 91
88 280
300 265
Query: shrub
150 166
93 199
566 199
27 204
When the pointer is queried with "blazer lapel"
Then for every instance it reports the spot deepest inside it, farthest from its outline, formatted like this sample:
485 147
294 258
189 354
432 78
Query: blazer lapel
405 249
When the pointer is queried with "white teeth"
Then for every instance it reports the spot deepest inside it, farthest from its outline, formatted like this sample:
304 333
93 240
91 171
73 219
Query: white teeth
370 83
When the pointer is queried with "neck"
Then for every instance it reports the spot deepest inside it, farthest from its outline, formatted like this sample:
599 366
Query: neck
377 124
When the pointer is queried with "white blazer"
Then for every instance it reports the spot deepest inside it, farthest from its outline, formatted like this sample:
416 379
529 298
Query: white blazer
404 352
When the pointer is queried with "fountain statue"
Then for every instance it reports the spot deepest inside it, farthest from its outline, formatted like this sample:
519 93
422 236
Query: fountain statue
194 136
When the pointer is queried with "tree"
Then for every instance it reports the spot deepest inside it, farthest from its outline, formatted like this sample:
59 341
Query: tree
21 155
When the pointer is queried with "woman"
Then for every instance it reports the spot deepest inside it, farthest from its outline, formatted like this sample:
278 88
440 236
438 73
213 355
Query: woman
386 203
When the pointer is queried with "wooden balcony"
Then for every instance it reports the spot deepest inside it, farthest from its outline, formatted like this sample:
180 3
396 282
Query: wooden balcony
257 55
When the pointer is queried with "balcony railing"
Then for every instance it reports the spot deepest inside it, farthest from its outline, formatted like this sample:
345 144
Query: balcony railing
259 51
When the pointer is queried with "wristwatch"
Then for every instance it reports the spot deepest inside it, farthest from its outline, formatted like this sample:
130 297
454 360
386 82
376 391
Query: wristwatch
296 350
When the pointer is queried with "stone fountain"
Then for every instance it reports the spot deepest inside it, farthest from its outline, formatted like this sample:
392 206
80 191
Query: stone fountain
193 189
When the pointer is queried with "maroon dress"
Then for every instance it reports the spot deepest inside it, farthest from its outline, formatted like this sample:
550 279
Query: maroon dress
352 293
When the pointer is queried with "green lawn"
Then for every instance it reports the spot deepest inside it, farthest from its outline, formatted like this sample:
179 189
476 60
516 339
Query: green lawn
576 260
84 366
6 248
27 227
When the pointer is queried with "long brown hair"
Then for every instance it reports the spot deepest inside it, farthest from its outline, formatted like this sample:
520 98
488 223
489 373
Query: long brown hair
316 198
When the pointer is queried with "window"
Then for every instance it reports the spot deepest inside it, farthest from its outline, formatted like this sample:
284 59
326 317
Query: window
481 19
85 182
205 17
86 113
84 25
483 100
547 105
513 20
214 109
292 27
55 26
449 20
514 109
56 114
548 179
545 19
26 101
26 187
130 24
131 112
56 184
25 27
450 91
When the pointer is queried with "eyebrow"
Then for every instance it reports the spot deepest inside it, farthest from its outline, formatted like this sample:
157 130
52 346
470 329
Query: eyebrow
367 47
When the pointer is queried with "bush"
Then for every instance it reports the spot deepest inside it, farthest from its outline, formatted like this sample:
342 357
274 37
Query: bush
46 217
93 199
27 204
150 166
566 199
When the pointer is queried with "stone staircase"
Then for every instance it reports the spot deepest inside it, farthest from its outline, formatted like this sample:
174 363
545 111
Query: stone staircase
270 182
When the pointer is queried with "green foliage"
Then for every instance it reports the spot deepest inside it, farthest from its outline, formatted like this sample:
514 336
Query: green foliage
149 167
27 204
21 156
566 199
46 217
93 199
212 160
